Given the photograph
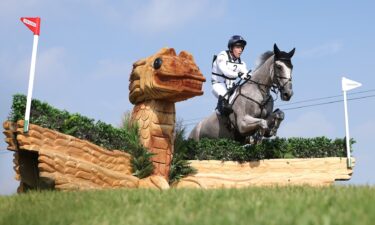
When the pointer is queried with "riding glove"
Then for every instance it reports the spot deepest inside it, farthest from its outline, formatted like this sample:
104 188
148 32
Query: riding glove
244 76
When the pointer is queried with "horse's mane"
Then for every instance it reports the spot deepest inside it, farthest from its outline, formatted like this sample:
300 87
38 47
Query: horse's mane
262 59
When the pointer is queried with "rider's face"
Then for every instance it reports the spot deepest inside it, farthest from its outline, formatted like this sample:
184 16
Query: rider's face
237 51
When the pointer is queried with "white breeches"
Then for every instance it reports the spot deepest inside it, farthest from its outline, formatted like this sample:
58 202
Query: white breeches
219 89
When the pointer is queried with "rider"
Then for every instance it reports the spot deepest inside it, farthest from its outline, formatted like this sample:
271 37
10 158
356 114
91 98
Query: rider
226 68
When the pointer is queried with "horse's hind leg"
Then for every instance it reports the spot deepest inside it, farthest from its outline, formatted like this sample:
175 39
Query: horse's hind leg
274 121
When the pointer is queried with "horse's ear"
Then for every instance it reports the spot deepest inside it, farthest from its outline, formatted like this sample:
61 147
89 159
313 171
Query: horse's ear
291 53
276 50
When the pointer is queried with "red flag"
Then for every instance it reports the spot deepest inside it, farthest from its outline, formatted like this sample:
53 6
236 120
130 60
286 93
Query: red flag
33 23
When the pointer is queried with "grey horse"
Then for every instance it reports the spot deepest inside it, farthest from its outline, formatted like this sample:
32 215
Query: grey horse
253 117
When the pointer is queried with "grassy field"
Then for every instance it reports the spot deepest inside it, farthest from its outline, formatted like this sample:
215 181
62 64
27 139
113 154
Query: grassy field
277 205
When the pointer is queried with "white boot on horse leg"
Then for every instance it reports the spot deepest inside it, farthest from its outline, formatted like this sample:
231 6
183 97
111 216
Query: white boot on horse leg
274 121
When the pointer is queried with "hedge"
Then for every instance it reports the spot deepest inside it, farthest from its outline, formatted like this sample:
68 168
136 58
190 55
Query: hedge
79 126
229 150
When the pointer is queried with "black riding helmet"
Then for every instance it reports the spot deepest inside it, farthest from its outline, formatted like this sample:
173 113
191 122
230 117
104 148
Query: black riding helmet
236 39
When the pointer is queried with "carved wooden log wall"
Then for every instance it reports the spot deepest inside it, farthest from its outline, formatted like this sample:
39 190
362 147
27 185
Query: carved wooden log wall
48 159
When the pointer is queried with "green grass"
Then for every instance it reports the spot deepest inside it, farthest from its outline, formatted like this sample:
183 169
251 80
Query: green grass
288 205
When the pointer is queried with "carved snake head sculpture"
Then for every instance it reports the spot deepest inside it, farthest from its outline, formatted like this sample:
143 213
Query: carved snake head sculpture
165 76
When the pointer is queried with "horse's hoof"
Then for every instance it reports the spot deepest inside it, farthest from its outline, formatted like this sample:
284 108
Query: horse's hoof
246 145
280 115
273 133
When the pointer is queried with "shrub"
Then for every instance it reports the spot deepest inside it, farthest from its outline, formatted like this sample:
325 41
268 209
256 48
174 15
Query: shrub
141 158
180 167
223 149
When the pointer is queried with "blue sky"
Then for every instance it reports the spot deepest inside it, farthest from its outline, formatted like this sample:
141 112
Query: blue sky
86 50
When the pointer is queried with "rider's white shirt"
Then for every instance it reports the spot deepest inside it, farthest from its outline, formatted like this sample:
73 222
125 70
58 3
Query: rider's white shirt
225 71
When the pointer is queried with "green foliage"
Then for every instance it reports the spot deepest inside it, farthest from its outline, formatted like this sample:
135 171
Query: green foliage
99 133
228 150
141 158
180 167
257 205
221 149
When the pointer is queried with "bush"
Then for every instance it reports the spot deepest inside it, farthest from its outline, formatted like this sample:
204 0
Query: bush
79 126
180 167
141 158
229 150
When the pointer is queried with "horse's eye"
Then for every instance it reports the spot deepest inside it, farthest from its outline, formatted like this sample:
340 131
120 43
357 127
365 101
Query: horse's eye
157 63
279 67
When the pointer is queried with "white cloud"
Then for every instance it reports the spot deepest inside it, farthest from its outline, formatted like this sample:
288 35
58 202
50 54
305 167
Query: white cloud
52 62
161 15
8 184
18 8
364 131
322 50
106 68
152 16
363 151
311 124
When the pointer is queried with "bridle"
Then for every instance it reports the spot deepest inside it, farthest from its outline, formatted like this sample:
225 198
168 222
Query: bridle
276 85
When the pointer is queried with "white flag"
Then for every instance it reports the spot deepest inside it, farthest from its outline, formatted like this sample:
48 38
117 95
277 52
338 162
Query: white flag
349 84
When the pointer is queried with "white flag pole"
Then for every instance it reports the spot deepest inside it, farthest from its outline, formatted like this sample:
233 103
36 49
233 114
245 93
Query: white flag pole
349 160
348 85
31 84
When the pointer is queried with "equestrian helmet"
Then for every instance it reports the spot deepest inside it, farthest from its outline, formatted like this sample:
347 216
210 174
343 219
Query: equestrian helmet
236 39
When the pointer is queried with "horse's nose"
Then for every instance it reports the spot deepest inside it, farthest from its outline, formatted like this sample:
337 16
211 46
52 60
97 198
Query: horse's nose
287 95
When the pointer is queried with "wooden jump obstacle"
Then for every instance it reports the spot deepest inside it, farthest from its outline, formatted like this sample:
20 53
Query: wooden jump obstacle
47 159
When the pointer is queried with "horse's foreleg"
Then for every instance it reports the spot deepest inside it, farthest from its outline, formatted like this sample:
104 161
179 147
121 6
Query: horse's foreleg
249 124
274 121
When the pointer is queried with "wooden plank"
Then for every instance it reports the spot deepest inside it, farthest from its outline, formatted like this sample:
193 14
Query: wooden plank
312 171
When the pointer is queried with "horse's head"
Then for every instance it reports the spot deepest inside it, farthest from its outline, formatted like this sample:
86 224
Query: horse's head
282 76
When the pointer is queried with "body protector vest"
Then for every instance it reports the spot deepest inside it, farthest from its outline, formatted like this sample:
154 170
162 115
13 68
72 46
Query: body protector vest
225 69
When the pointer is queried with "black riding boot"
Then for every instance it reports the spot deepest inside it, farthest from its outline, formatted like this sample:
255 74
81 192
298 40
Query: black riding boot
223 106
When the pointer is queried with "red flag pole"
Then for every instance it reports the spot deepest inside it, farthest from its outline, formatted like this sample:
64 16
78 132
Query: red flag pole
34 25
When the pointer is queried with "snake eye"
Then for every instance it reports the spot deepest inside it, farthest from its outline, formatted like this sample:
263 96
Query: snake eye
157 63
